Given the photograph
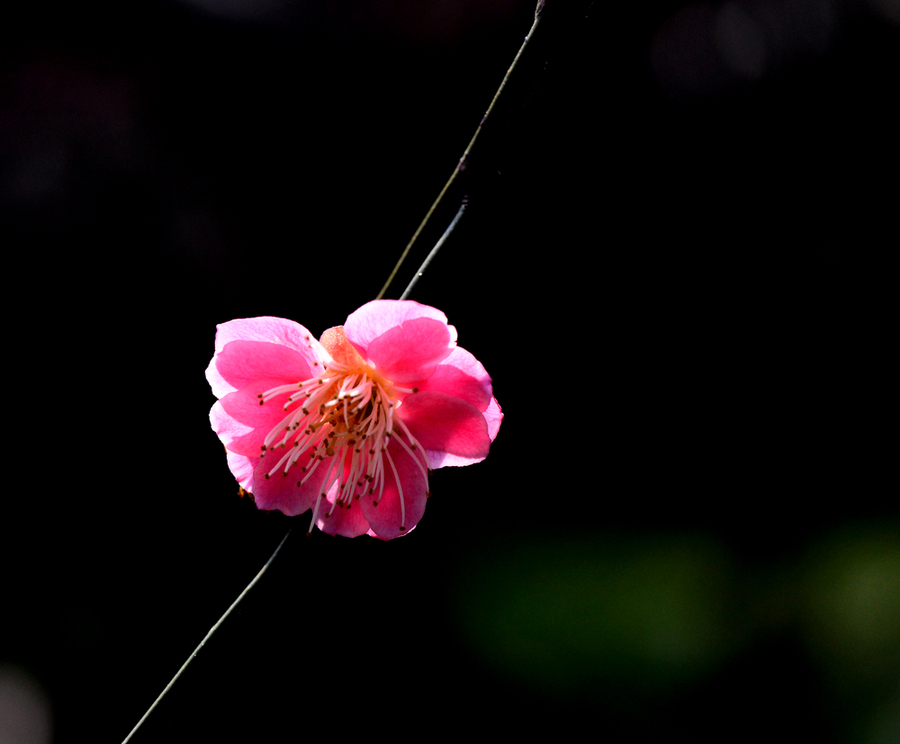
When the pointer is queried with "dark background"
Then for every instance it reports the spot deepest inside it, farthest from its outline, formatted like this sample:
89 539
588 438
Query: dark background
676 265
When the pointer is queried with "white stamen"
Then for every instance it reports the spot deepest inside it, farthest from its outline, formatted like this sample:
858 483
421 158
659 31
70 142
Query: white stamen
399 489
347 417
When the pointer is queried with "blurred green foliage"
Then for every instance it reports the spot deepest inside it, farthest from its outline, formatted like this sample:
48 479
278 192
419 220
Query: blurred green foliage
574 616
851 611
638 619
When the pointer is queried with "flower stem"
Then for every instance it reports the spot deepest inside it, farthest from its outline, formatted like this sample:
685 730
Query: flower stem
212 630
460 166
437 247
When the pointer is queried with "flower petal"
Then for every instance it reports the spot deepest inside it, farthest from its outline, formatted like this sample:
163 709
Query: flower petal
379 316
452 430
401 505
410 353
241 468
281 490
493 415
244 405
269 330
236 437
462 376
243 362
241 422
343 520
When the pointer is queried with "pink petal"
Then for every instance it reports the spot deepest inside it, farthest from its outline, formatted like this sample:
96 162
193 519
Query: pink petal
241 468
379 316
244 404
280 491
389 516
241 422
236 437
493 415
243 362
346 521
452 430
462 376
269 330
412 352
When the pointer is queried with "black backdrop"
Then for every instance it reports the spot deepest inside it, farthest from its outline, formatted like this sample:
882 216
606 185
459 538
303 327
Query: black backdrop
675 265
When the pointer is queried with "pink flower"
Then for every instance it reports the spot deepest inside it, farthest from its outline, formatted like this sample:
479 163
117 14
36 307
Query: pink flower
349 426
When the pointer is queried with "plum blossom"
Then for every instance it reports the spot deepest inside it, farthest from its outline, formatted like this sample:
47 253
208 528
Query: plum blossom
349 426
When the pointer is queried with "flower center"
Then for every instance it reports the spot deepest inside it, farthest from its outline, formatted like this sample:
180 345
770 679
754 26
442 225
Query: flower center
342 421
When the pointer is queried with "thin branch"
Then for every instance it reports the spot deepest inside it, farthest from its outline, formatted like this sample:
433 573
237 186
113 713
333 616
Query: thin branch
437 247
465 156
212 630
